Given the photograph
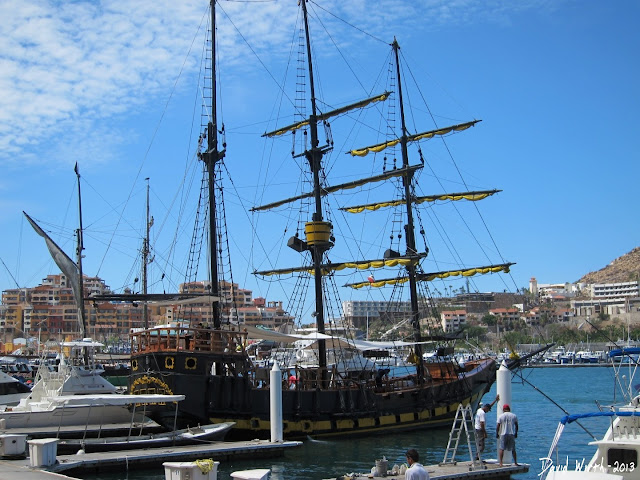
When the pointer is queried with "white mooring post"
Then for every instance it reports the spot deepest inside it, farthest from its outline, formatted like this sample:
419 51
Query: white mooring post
275 397
503 387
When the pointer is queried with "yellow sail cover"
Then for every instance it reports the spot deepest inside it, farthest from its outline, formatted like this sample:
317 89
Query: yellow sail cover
359 265
343 186
324 116
427 277
471 196
412 138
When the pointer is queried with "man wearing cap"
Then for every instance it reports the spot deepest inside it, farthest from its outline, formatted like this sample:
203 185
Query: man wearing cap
481 425
415 471
507 432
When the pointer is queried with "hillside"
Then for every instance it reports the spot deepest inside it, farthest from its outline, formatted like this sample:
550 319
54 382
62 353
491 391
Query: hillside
623 269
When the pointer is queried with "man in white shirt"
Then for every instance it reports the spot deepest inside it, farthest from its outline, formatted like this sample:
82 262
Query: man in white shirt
507 432
481 426
415 471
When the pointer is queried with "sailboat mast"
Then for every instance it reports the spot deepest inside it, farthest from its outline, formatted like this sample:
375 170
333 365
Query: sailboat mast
145 261
210 157
314 157
409 227
79 249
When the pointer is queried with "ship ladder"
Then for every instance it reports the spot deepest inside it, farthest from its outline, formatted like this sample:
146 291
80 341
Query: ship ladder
463 422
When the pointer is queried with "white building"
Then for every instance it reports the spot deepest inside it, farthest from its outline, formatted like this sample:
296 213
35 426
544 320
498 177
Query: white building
608 298
453 320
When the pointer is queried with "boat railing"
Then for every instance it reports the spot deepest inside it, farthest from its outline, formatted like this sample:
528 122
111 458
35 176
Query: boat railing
205 340
309 379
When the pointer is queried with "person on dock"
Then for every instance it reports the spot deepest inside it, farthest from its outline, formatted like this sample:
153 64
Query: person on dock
415 471
481 426
507 432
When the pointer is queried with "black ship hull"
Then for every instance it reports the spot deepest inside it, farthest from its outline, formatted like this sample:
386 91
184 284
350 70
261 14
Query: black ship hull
244 397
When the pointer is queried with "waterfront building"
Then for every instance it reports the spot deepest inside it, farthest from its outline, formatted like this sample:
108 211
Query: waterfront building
555 291
609 298
360 312
453 320
48 311
506 316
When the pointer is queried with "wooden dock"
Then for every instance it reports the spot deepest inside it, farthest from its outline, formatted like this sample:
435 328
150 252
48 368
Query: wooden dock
456 471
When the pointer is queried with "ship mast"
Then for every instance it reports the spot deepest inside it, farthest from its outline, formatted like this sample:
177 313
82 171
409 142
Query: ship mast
145 261
314 157
409 228
80 300
80 247
210 158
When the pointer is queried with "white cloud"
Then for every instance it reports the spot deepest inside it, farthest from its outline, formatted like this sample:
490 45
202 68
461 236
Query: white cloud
67 67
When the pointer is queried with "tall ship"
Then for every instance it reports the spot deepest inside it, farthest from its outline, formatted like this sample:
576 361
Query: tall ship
332 383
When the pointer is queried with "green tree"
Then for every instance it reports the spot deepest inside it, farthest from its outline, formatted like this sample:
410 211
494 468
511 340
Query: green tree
489 320
477 333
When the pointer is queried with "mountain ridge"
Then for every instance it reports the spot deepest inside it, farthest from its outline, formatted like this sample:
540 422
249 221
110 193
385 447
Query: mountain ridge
623 269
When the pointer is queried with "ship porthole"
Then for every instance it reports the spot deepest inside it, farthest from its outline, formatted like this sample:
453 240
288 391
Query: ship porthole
190 363
169 363
134 364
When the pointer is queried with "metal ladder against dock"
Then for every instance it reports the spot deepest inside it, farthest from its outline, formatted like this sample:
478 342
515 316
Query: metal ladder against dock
462 421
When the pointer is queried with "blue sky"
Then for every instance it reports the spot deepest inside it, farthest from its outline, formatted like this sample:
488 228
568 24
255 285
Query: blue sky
110 85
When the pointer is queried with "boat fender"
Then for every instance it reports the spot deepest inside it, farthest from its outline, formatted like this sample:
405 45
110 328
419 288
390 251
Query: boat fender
299 354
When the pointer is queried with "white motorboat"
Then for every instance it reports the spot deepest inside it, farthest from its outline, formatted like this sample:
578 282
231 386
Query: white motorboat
48 403
82 410
75 374
12 390
618 451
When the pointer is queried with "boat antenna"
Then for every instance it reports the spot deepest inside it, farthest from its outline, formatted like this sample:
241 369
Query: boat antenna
314 157
210 158
409 228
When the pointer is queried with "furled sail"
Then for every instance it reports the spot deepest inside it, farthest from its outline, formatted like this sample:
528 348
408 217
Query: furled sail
399 172
333 113
471 196
427 277
361 152
66 265
359 265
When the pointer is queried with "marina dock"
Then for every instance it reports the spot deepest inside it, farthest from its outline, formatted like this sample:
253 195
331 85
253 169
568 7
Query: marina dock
12 470
144 458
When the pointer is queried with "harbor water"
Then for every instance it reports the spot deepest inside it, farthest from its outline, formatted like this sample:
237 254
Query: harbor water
576 390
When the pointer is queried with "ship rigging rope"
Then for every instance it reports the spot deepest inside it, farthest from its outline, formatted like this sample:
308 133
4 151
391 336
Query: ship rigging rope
446 146
151 142
350 24
524 380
